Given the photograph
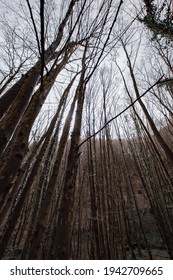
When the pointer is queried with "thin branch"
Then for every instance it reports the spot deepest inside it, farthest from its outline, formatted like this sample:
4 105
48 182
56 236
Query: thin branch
42 39
119 114
107 39
34 25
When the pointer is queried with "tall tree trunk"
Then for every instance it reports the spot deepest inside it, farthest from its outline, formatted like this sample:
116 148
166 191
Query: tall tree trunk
160 139
19 143
24 88
44 215
65 221
27 188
